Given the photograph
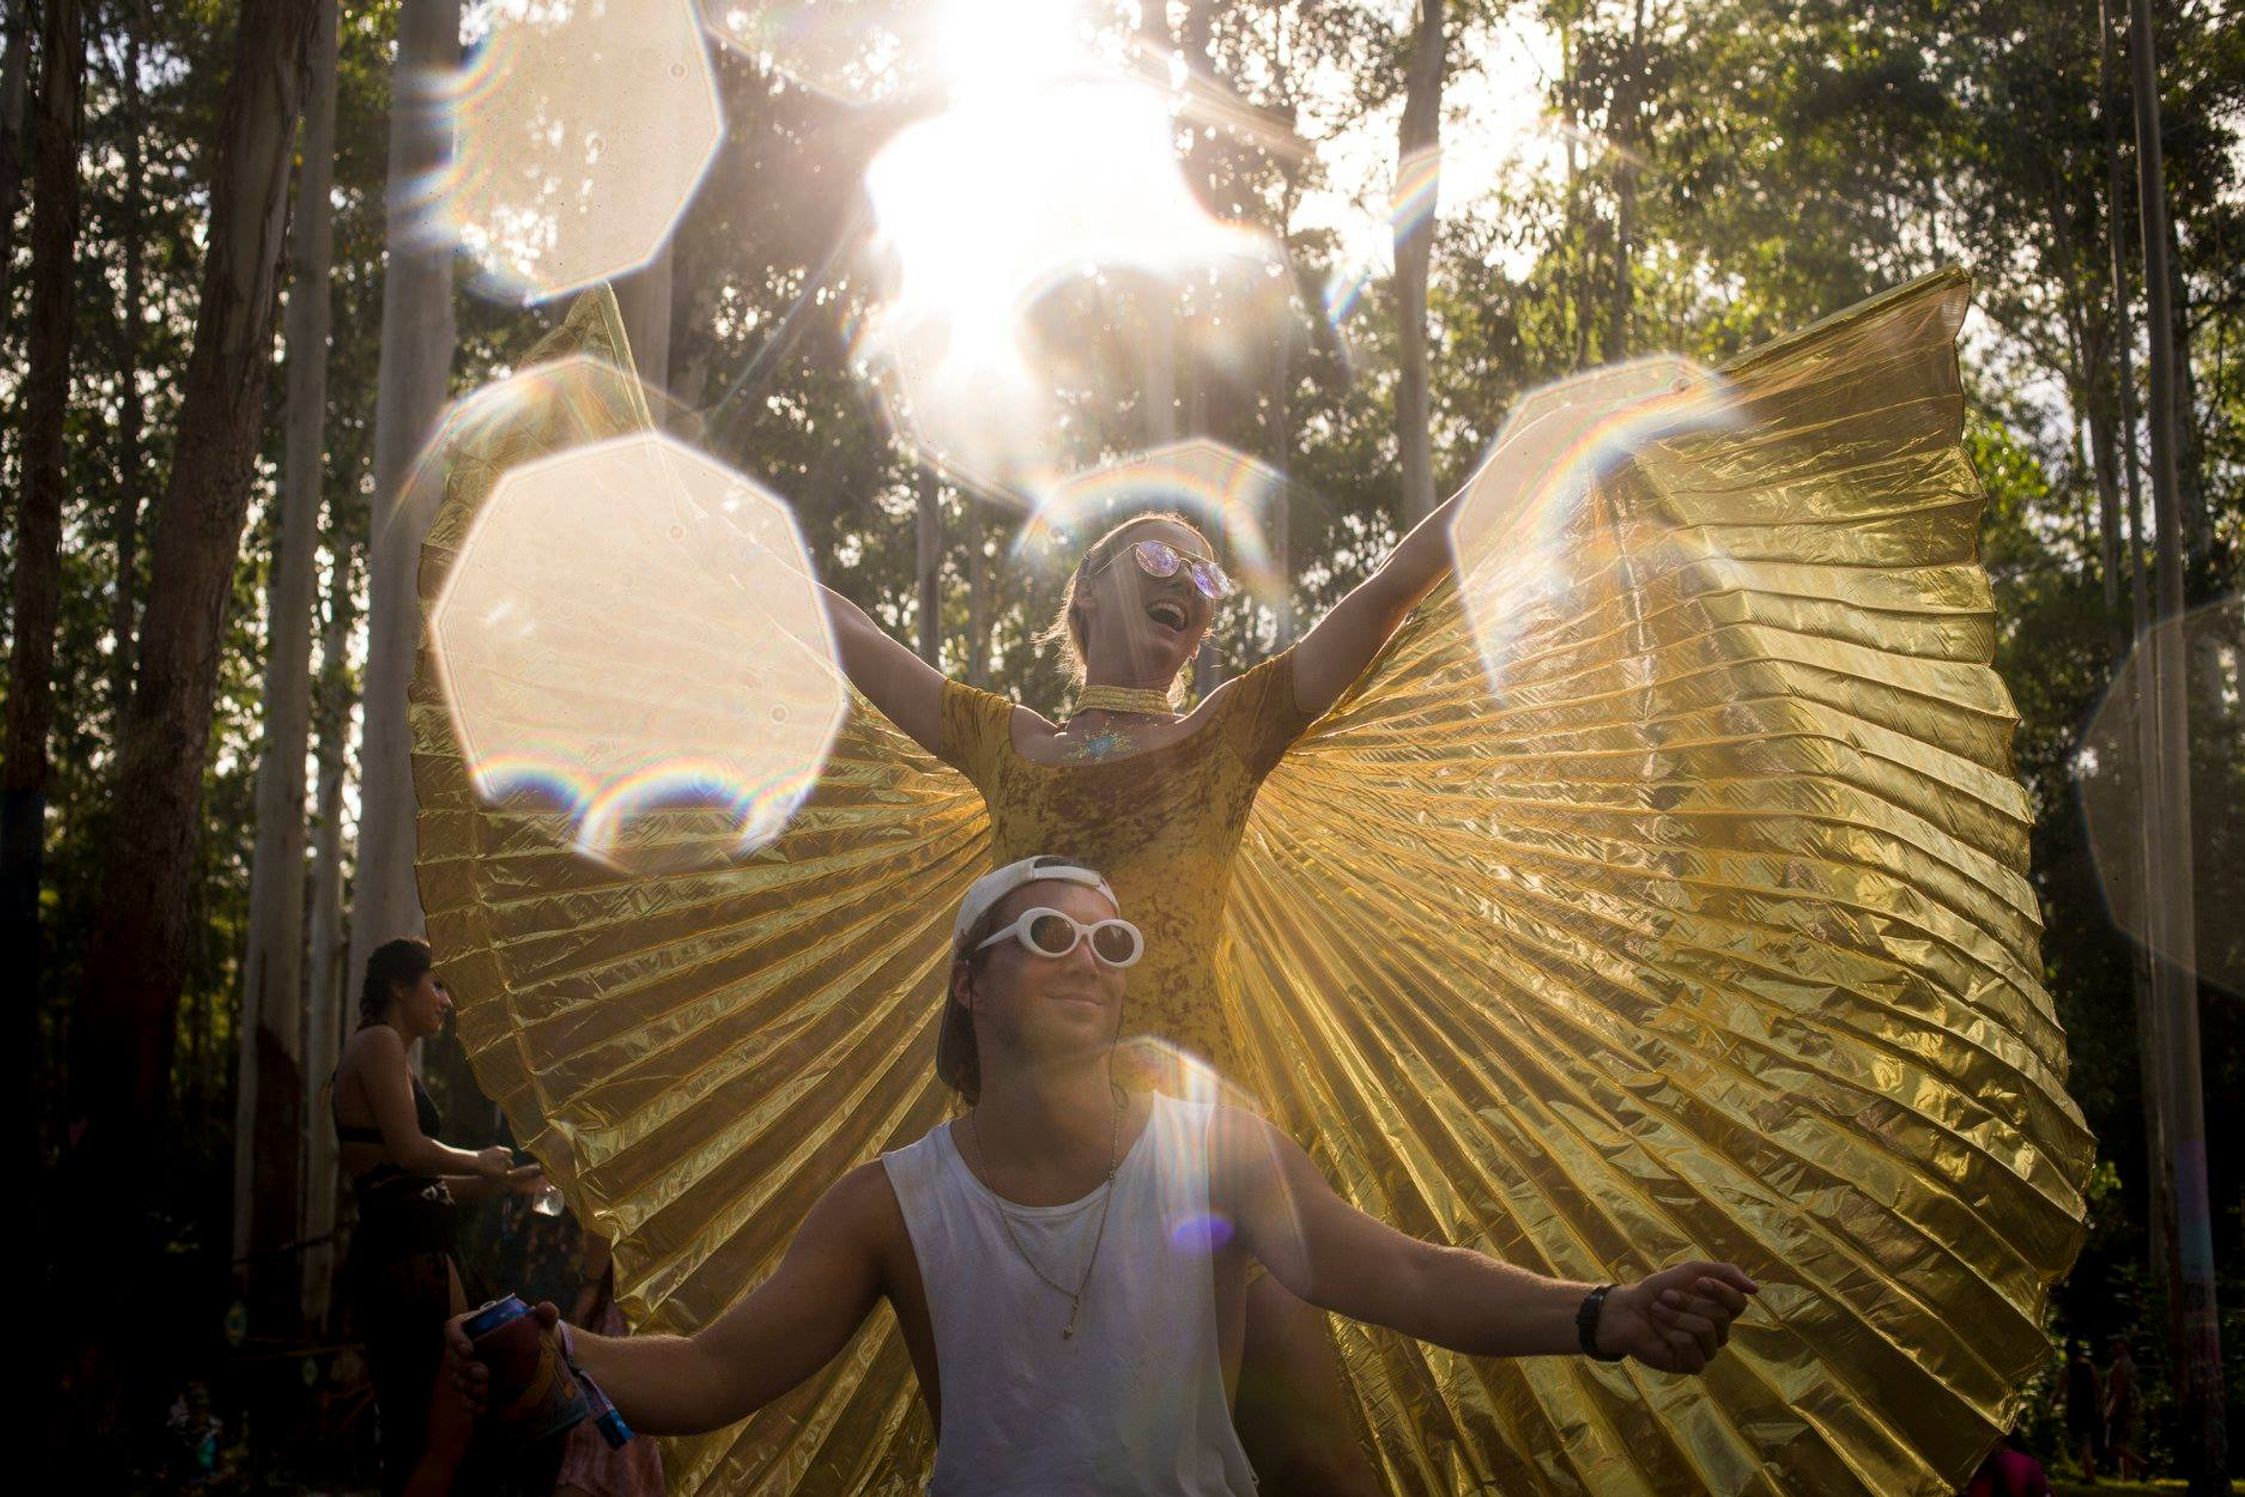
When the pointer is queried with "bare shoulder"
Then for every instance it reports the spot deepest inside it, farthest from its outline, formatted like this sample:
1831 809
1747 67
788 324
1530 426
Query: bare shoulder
861 1208
1244 1149
376 1045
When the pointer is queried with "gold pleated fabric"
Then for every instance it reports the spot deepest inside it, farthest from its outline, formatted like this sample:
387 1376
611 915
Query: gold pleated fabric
1708 935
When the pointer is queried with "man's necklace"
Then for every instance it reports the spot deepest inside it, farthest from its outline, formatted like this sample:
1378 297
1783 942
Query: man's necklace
1114 1162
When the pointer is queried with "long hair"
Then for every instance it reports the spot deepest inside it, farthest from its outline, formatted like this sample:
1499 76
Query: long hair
393 965
1067 627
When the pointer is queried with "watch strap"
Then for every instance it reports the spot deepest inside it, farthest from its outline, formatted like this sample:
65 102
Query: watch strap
1586 1324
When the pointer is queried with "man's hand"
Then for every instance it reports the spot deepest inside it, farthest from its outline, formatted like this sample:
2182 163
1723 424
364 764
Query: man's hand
471 1377
1677 1319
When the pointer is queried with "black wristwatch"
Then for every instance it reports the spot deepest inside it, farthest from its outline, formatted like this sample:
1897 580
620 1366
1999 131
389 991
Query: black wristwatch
1586 1325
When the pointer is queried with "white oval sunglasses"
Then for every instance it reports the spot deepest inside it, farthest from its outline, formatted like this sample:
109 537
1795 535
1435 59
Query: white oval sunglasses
1051 933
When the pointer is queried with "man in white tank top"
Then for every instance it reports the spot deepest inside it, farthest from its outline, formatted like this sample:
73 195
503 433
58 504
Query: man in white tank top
1068 1259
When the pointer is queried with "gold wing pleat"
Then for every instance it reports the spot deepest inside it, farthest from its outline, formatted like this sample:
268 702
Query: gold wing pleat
1705 932
697 1055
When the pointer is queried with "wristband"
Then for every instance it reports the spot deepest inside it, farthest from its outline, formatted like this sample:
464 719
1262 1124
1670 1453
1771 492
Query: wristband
1586 1325
605 1417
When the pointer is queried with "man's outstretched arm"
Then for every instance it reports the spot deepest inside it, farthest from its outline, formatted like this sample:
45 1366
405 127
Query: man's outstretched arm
784 1330
1333 1255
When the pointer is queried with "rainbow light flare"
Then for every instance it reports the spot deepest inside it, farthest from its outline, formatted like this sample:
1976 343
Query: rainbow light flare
1227 490
1411 200
632 644
1521 534
582 129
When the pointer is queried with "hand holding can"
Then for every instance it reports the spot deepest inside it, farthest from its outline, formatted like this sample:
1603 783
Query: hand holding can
529 1389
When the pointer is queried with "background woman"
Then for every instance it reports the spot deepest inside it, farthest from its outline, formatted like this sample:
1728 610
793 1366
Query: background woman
403 1278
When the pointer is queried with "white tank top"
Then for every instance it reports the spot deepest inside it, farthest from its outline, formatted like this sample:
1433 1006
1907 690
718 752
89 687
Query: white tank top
1133 1404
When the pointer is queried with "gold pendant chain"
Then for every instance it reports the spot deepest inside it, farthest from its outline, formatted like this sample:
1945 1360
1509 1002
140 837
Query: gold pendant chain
1114 1163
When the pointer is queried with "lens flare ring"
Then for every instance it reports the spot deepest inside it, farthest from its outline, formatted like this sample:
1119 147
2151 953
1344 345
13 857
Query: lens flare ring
631 637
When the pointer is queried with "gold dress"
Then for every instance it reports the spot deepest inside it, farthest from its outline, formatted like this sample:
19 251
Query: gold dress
1709 935
1163 824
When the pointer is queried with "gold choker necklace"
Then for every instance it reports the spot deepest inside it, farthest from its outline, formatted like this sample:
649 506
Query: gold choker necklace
1142 701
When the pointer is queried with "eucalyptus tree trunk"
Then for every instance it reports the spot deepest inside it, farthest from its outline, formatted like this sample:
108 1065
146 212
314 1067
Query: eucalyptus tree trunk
2150 1022
978 592
15 69
417 348
2195 1313
128 1008
269 1086
131 409
37 541
929 569
325 988
1419 137
1629 93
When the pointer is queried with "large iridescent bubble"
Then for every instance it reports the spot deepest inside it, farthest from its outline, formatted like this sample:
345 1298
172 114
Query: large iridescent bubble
582 128
2195 663
631 632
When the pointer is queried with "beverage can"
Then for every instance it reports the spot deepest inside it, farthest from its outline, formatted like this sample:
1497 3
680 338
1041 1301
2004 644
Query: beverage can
533 1393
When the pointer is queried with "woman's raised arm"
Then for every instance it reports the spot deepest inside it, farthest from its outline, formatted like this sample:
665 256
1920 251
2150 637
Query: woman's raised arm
1338 648
907 689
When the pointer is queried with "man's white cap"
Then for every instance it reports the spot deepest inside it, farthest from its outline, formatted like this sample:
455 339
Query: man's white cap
992 887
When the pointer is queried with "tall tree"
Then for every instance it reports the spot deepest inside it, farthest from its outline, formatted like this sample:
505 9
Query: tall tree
128 1006
15 69
37 593
324 986
418 334
2174 975
928 568
1629 101
1418 145
131 409
269 1082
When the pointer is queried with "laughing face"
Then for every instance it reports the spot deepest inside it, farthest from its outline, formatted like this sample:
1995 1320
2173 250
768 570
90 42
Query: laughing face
1141 630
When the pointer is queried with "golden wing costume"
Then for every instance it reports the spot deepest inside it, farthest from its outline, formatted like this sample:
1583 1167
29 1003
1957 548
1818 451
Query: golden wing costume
1709 935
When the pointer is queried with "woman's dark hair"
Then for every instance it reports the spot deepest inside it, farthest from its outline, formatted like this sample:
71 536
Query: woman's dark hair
1067 627
394 964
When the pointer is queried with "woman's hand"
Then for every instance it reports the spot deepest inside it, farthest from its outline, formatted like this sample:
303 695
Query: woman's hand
1678 1319
526 1179
494 1163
